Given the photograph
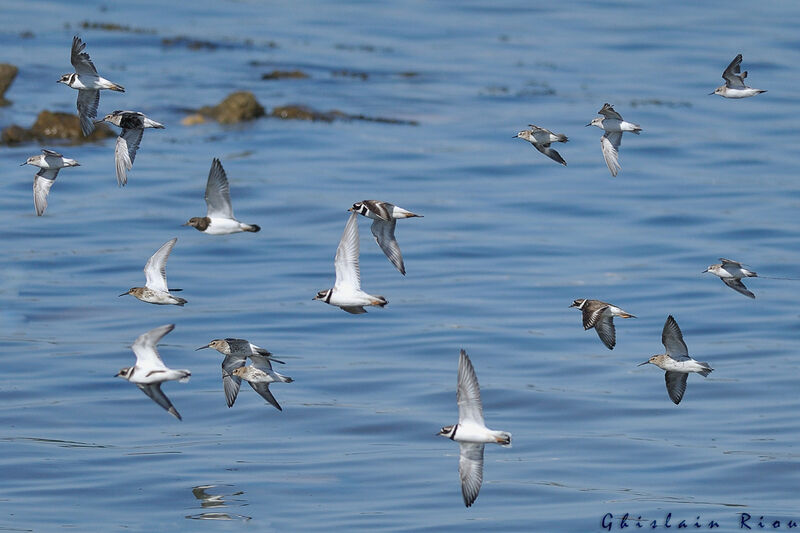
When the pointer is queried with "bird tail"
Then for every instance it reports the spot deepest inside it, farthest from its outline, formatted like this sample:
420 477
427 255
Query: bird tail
637 129
380 301
117 87
282 378
181 301
706 369
503 438
186 375
150 123
561 138
251 227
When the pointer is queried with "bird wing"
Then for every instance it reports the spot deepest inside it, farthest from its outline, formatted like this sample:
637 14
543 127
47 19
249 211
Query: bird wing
51 153
470 470
218 194
144 347
44 179
381 209
125 152
605 330
610 142
732 76
738 286
672 339
80 59
262 363
726 262
155 270
153 390
88 100
550 152
592 312
608 112
384 236
346 261
263 389
468 392
230 382
676 385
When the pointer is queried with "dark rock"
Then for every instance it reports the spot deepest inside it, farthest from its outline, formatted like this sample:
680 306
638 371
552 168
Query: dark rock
110 26
191 44
236 107
350 74
296 112
7 75
284 74
51 125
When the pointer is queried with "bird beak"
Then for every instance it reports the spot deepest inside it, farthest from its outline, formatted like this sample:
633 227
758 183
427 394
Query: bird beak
124 293
571 305
515 136
186 224
704 271
23 164
589 124
712 93
203 347
641 364
350 209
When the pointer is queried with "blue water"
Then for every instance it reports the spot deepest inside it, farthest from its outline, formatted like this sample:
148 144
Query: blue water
508 240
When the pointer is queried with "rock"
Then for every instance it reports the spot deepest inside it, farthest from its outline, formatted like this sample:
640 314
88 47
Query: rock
284 74
51 125
236 107
7 75
193 119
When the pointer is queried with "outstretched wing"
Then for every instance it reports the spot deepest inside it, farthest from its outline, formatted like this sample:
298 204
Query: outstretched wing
608 112
263 390
672 339
605 330
610 142
88 100
155 270
42 182
145 348
732 76
384 235
80 59
738 286
230 382
346 261
470 470
676 385
125 152
468 393
153 390
218 194
550 152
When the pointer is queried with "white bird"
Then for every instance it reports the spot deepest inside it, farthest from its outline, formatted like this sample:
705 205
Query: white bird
731 273
470 432
676 361
155 289
346 292
600 316
541 138
88 83
133 124
49 163
219 219
236 352
612 123
384 218
259 375
150 372
734 86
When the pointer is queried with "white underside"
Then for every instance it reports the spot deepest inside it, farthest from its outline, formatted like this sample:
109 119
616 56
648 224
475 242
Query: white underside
223 226
472 432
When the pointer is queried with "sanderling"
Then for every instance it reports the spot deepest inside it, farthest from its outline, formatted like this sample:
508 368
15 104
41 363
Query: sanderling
613 125
133 124
676 361
49 163
600 316
155 289
384 218
346 292
470 432
236 351
731 274
88 83
219 219
541 138
259 375
734 86
150 372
